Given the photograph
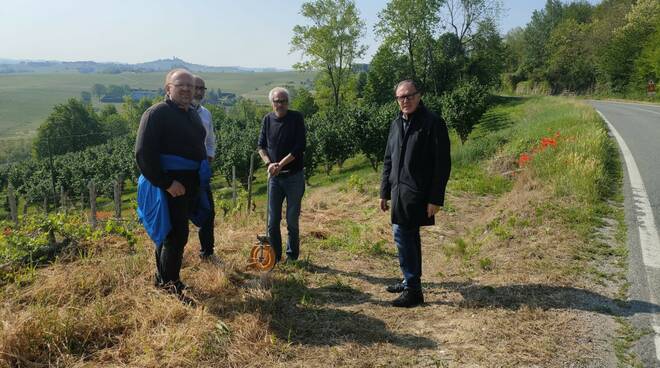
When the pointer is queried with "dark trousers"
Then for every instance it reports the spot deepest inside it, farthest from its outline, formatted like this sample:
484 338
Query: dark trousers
409 246
170 255
206 239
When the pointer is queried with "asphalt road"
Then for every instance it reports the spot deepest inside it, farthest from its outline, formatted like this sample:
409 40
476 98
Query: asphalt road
636 128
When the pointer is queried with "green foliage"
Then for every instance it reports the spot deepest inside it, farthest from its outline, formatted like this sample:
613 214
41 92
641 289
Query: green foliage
582 48
332 43
237 142
357 239
86 97
304 102
488 54
24 246
384 74
334 139
71 127
99 90
462 108
407 26
372 126
73 171
570 64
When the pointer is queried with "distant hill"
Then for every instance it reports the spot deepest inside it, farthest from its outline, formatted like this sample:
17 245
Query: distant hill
8 66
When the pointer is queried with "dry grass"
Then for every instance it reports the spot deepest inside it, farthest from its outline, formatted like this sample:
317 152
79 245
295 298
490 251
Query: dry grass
505 286
328 310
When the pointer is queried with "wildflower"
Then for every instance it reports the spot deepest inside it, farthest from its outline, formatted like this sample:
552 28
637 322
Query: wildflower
524 159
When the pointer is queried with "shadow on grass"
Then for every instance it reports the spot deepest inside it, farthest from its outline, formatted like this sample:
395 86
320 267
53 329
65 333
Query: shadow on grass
305 316
539 296
311 317
493 121
510 297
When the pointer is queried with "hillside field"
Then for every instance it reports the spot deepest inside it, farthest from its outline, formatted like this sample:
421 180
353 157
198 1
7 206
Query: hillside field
27 99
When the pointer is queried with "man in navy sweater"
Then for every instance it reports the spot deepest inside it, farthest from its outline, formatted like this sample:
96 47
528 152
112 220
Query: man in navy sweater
281 147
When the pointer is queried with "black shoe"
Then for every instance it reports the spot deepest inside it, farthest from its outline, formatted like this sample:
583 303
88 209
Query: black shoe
174 287
409 298
395 288
210 258
158 281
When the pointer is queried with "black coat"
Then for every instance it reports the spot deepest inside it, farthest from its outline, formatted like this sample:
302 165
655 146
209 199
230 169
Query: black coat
416 167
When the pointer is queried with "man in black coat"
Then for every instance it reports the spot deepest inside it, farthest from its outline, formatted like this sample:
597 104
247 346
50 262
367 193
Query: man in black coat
415 173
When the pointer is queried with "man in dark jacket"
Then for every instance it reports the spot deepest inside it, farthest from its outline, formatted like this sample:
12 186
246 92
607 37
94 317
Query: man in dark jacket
169 151
415 173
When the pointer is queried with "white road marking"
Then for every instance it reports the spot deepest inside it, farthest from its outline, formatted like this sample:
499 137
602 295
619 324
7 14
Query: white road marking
648 234
633 104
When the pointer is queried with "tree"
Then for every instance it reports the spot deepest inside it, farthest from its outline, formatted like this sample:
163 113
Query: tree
71 127
465 15
537 33
115 126
408 25
331 43
450 61
373 126
335 139
570 65
99 90
627 43
384 73
463 107
304 102
487 56
132 111
107 110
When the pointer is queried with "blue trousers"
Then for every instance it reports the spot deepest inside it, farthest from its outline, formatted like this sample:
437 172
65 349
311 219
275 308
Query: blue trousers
409 246
290 187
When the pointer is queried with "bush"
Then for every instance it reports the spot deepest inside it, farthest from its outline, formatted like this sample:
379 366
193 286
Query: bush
462 108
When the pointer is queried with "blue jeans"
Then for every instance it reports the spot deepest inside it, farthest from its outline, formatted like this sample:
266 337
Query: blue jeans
291 187
409 246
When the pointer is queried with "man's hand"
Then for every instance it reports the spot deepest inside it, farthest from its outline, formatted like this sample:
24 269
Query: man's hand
432 209
176 189
274 169
209 159
383 205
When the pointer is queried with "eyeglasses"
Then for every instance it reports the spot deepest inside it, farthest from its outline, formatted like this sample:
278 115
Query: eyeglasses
406 97
200 88
281 102
183 85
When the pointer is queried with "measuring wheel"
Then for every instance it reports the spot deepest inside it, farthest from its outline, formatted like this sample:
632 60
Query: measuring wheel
262 257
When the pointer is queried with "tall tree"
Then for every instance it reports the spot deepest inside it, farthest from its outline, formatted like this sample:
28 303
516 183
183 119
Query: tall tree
384 73
407 26
331 43
487 57
464 16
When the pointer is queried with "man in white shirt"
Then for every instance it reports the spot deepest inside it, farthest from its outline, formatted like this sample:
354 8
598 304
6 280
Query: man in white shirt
206 239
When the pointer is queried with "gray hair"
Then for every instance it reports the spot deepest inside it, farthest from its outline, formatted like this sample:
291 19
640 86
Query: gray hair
276 90
408 81
197 78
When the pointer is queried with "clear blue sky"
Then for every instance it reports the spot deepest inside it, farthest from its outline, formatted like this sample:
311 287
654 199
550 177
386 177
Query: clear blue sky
253 33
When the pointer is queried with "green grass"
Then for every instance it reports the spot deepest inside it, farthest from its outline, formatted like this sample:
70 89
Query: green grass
27 99
628 335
